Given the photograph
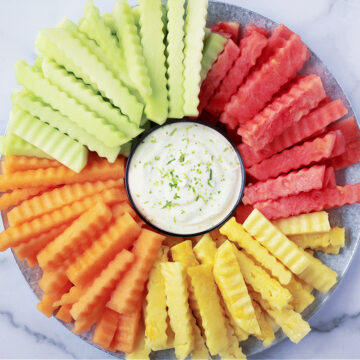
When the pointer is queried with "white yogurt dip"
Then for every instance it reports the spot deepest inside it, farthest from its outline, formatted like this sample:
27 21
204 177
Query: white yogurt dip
185 178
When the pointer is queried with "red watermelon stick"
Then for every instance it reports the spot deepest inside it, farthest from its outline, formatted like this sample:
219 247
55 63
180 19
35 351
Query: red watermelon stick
349 128
229 29
293 183
316 200
262 84
329 178
350 157
251 47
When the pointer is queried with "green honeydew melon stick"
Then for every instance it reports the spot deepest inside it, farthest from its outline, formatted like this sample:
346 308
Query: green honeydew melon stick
213 47
11 144
69 52
152 39
130 42
136 13
93 25
194 42
208 32
175 57
109 22
84 95
59 100
126 149
28 102
60 146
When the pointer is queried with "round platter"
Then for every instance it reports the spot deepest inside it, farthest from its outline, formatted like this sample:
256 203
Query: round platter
343 217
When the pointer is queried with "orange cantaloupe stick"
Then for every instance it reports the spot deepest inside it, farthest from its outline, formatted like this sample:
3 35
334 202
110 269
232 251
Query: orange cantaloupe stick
13 163
98 169
122 208
16 196
77 237
84 324
46 305
71 297
129 290
16 235
106 328
30 249
64 313
54 283
57 198
120 235
103 285
126 333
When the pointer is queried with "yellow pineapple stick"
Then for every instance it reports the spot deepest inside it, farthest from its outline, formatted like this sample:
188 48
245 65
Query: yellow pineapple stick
331 250
155 312
337 236
205 250
142 349
267 332
302 297
232 286
318 275
241 334
290 321
184 254
269 288
200 351
178 307
276 242
304 224
208 304
236 233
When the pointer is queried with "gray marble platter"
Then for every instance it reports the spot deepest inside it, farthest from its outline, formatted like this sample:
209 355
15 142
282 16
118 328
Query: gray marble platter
345 217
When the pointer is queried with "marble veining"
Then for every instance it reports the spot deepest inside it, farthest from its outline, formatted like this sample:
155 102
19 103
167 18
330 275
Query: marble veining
331 28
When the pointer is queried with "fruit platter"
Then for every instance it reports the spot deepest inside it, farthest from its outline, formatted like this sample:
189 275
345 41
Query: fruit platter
179 179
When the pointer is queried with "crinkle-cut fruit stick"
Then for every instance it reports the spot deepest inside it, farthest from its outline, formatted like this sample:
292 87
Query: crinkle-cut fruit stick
302 298
283 111
316 200
250 49
236 233
70 244
249 155
152 40
263 83
142 349
350 157
119 235
252 27
301 155
304 224
349 128
270 289
217 73
295 182
55 199
13 163
95 170
213 47
200 350
290 321
105 329
46 305
100 290
126 334
122 208
331 250
54 283
17 196
230 281
130 40
155 312
195 23
208 302
11 144
231 28
180 315
175 57
293 257
27 101
242 212
67 105
340 144
64 315
71 297
98 29
17 235
30 249
318 275
84 324
47 138
128 292
267 332
62 46
183 253
337 236
205 250
85 95
329 178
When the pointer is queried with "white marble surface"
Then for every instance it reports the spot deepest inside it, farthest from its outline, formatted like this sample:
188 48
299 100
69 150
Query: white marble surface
331 28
